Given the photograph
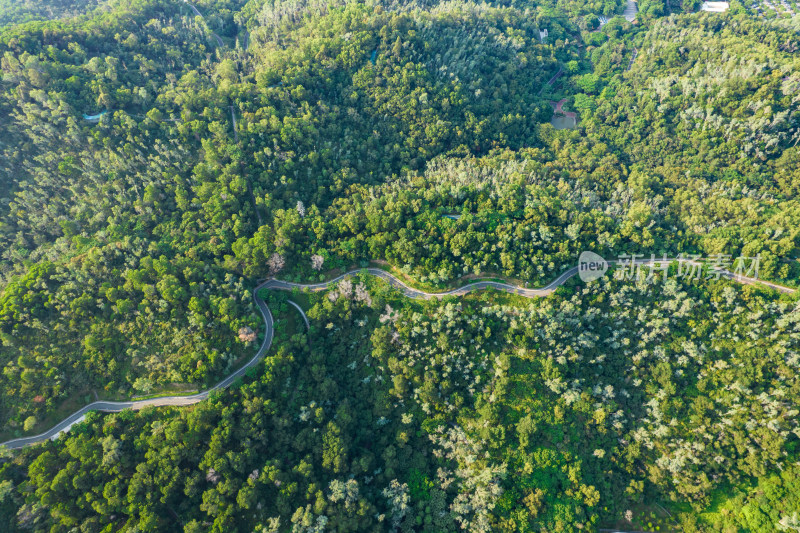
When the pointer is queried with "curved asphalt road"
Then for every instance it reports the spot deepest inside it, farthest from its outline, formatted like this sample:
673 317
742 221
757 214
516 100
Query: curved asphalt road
415 293
547 290
197 13
114 407
269 332
302 313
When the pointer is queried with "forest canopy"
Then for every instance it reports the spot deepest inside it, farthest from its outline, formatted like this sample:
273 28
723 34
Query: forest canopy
159 159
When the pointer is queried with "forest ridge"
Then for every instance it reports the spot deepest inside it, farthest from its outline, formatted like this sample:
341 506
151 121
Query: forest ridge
159 159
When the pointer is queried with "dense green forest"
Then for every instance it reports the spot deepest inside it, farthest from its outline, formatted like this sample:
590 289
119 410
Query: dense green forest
19 11
484 414
155 164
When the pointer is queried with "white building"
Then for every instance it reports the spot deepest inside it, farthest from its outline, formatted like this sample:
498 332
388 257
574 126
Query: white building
543 34
715 7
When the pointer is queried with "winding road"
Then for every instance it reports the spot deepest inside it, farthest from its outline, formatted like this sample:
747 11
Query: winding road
302 314
633 58
115 407
235 127
198 14
554 78
276 284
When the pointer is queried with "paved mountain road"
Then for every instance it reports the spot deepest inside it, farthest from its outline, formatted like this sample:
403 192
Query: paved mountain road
178 401
197 13
269 332
302 313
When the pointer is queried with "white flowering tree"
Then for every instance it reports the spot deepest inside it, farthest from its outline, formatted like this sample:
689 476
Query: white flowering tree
275 263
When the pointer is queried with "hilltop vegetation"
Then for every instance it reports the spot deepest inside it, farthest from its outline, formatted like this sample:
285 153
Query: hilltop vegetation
171 210
476 415
21 11
416 133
